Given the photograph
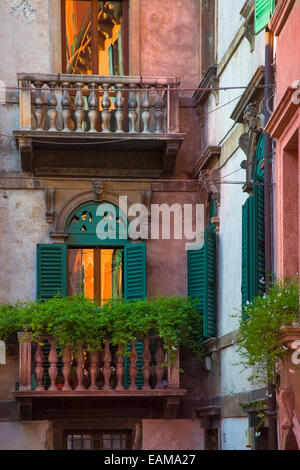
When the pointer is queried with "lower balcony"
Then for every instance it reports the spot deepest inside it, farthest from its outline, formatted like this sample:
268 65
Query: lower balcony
49 376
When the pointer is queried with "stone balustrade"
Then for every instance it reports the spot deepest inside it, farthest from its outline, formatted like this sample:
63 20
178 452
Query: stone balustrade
108 371
98 104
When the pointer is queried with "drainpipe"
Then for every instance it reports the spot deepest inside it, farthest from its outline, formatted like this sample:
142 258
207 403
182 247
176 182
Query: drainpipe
269 80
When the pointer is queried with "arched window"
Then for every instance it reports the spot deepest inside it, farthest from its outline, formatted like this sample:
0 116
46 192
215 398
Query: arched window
97 260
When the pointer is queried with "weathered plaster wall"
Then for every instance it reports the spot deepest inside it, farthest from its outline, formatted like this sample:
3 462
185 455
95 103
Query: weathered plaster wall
23 225
233 434
229 21
172 434
24 435
169 39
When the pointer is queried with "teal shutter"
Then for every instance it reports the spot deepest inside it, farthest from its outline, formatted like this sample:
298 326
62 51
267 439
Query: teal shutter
51 270
259 198
248 250
135 271
134 289
210 284
202 281
263 12
253 234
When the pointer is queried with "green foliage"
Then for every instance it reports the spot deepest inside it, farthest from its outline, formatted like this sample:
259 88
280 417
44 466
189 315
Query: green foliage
76 320
258 338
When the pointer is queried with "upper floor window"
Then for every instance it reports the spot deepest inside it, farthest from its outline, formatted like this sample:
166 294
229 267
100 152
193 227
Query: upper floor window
95 37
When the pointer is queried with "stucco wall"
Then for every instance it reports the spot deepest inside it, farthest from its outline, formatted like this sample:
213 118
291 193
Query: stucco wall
172 435
24 436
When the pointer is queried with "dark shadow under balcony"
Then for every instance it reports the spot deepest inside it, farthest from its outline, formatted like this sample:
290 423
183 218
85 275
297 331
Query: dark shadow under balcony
98 126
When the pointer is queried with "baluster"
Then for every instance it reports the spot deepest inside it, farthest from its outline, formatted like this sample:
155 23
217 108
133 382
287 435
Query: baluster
120 369
53 361
24 361
146 369
66 370
119 115
39 106
79 370
146 111
66 107
39 369
132 112
159 369
93 370
52 111
106 366
133 369
93 108
79 103
159 112
106 104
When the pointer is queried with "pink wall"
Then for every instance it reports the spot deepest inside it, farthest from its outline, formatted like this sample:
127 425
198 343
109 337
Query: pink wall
288 52
179 434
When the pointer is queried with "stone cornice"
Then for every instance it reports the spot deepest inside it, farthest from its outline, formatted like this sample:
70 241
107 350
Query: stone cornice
280 15
208 158
282 115
208 81
250 94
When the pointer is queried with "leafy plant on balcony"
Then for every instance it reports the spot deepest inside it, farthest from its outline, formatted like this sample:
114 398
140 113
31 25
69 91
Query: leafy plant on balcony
76 320
258 337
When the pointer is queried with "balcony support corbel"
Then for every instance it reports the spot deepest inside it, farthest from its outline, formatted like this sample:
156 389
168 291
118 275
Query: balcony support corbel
26 154
170 154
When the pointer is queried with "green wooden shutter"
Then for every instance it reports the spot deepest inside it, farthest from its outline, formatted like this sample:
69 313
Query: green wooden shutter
259 197
51 270
263 12
202 281
135 271
134 289
210 283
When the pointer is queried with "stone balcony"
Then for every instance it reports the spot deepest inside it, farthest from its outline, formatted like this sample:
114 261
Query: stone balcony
92 125
96 375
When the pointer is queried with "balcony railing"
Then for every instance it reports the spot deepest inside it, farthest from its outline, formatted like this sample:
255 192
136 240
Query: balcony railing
105 372
98 104
135 116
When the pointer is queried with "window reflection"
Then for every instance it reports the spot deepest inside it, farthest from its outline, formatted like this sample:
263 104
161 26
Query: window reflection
96 273
79 39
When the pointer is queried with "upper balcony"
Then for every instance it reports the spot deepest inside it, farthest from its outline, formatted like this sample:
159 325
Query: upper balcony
98 125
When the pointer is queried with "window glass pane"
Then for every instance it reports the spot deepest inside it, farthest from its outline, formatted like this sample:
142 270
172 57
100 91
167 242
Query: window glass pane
81 272
78 36
110 47
111 274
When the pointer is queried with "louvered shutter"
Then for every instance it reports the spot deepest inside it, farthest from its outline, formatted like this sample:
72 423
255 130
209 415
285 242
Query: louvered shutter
135 271
263 12
134 289
245 253
51 270
259 197
202 281
210 283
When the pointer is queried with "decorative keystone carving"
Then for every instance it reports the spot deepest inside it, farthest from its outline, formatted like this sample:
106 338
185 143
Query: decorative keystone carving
210 180
98 191
50 204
